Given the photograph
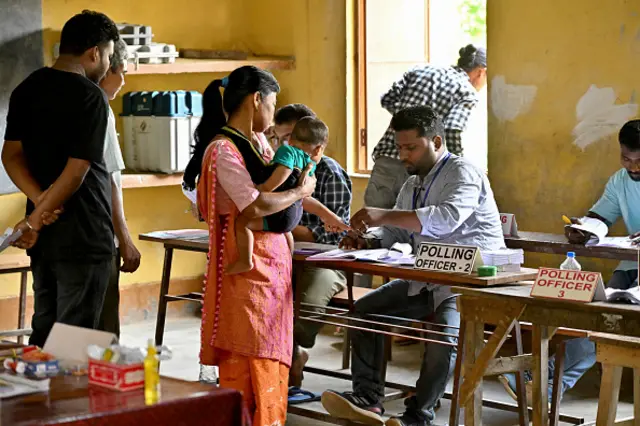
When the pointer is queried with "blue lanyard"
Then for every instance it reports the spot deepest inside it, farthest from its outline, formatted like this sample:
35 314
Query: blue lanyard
416 191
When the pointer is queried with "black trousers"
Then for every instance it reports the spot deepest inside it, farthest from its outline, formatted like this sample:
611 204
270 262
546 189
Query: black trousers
70 292
110 317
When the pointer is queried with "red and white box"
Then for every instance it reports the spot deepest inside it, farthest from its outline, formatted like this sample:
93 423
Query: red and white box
118 377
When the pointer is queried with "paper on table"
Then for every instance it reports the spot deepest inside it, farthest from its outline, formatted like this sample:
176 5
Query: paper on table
619 242
397 258
14 385
183 234
302 247
8 238
350 255
392 257
404 248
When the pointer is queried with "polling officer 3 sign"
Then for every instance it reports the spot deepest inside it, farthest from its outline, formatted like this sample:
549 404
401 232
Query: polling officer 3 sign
562 284
447 258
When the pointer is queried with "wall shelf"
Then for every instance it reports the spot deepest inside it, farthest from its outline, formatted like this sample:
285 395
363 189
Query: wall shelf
183 65
150 180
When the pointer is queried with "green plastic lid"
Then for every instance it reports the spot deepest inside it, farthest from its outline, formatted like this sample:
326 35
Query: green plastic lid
487 271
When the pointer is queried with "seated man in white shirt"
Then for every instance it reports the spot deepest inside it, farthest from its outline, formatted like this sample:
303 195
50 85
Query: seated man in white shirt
448 200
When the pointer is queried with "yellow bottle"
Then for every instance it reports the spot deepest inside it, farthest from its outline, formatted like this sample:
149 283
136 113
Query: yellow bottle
151 375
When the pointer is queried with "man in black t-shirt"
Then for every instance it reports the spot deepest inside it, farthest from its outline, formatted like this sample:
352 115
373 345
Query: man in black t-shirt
54 152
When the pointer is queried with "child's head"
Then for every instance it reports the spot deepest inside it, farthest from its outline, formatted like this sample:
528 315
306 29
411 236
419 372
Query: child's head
285 120
311 135
114 79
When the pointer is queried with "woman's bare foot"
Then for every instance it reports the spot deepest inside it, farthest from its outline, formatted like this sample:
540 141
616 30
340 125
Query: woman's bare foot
239 268
299 361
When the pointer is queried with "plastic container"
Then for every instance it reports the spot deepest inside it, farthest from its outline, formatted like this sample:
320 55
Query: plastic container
135 34
158 129
153 53
487 271
570 263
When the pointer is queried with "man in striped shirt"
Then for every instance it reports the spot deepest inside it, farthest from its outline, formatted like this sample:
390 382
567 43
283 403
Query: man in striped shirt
451 92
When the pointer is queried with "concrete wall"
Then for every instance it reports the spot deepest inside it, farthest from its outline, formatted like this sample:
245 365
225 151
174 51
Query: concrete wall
563 79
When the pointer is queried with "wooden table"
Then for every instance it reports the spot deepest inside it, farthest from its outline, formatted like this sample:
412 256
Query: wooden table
199 243
504 307
20 264
540 242
72 401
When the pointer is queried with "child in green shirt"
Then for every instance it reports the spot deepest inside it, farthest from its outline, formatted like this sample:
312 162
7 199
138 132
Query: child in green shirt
308 141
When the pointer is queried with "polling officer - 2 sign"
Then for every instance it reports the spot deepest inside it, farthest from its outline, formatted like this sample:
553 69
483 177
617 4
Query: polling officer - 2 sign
447 258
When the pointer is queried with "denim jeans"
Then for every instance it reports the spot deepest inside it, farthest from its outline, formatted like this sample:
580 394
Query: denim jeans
438 362
580 354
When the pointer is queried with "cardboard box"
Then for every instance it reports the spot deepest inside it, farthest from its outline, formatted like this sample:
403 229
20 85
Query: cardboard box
116 377
69 343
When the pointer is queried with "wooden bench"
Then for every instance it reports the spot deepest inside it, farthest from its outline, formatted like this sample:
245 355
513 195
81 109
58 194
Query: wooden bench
615 352
11 264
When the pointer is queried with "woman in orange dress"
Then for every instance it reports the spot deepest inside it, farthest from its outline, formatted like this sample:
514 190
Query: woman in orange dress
247 318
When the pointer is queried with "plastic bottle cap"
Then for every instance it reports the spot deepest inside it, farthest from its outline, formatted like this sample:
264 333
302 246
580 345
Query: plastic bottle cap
571 254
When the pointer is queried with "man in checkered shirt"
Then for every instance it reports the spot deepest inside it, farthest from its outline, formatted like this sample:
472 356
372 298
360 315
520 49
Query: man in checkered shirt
451 92
333 189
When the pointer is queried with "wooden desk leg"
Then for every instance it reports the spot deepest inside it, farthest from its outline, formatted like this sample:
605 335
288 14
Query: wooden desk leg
162 299
350 290
346 351
636 396
609 393
558 373
540 375
454 414
474 341
22 309
521 389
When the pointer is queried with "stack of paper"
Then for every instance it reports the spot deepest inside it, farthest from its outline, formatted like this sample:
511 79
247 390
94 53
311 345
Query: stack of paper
507 260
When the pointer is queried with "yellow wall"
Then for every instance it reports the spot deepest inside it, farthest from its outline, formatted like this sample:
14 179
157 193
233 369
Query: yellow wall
562 48
203 24
314 31
317 33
